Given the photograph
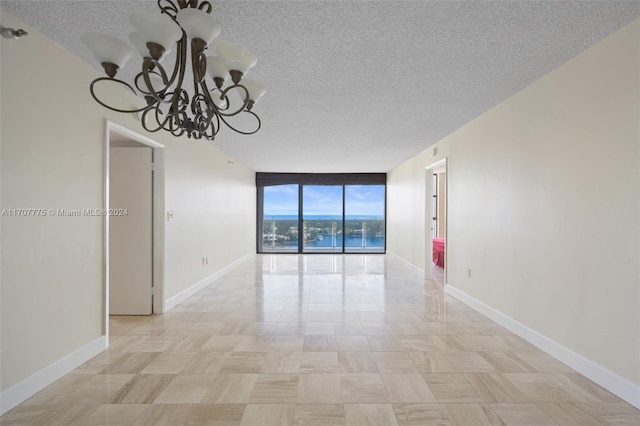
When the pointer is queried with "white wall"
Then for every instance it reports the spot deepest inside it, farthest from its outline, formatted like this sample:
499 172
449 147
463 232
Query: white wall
406 189
52 136
544 206
214 205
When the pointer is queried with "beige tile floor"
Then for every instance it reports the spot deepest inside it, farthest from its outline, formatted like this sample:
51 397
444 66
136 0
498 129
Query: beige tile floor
320 340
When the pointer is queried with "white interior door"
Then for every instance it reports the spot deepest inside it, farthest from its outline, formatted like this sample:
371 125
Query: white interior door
130 231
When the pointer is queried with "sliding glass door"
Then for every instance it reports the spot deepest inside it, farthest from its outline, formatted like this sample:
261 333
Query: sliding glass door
280 219
364 218
322 218
321 213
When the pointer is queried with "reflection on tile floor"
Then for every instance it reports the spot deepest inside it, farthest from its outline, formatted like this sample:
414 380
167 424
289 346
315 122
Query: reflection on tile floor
320 340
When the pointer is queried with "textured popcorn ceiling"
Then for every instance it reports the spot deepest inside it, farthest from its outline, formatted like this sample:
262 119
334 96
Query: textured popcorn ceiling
361 86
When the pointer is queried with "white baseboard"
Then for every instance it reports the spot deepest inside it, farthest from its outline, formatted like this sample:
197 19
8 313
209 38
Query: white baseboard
25 389
614 383
406 262
185 294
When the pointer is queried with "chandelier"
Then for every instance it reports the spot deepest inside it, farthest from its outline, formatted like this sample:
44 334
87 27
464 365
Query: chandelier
200 111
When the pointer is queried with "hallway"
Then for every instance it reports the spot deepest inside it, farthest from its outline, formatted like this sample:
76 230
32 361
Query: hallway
320 340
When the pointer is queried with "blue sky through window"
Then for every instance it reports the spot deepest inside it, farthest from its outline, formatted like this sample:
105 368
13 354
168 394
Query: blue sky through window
360 200
281 200
322 200
364 200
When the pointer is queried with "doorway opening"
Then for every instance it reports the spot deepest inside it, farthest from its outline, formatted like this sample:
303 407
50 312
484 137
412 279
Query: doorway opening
436 221
133 224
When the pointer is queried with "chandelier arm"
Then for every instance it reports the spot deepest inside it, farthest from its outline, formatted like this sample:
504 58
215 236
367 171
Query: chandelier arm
194 103
95 97
210 124
240 131
179 131
171 9
181 59
197 98
182 4
182 102
198 74
207 5
203 117
214 90
144 121
166 124
239 110
148 66
218 126
161 118
209 129
173 127
148 89
179 70
162 121
214 128
198 66
136 83
180 118
206 93
210 136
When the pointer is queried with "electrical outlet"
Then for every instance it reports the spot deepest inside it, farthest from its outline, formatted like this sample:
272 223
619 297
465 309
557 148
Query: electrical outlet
469 272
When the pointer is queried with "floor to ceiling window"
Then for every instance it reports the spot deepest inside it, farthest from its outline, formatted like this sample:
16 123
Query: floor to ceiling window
322 218
280 218
321 213
364 218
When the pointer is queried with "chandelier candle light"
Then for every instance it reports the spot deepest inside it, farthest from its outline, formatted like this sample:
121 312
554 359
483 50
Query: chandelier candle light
170 107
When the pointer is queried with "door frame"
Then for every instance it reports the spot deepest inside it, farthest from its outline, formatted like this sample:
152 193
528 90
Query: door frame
428 218
158 231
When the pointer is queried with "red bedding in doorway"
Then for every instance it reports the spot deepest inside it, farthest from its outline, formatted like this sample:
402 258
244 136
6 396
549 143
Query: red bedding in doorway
438 252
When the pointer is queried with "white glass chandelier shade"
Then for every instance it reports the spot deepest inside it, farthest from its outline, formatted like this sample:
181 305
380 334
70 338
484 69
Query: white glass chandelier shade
198 24
217 68
107 49
156 28
255 89
236 57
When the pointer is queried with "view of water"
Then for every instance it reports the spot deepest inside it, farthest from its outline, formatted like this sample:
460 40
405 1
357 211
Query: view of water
364 231
327 241
320 217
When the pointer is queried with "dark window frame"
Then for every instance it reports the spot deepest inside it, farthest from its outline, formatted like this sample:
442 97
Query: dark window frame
272 179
